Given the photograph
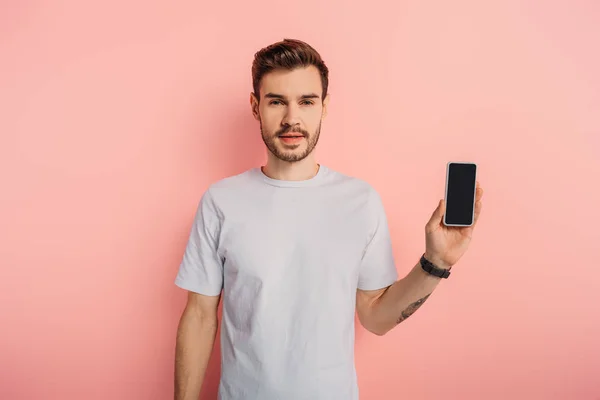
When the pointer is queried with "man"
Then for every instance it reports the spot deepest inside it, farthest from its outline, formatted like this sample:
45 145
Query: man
297 249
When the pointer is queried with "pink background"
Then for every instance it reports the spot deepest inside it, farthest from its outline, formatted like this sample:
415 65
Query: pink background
116 115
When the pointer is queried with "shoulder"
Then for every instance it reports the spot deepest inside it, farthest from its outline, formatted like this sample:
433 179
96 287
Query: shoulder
226 190
231 185
362 194
355 186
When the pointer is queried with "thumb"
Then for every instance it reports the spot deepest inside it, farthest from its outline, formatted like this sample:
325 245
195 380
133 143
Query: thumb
438 214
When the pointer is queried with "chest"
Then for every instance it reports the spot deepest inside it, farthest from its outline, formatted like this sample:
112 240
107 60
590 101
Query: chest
294 239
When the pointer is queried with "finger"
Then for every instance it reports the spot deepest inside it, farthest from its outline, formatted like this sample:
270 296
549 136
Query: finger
478 193
478 206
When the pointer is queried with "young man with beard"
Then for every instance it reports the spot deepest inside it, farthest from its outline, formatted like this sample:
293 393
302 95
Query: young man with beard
297 249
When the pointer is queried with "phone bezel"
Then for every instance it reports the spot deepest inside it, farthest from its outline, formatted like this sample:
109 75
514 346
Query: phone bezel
448 165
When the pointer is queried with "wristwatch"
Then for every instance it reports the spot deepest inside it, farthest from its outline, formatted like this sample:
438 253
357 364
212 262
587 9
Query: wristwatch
430 268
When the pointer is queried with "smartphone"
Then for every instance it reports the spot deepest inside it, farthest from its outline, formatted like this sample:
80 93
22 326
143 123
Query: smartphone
461 178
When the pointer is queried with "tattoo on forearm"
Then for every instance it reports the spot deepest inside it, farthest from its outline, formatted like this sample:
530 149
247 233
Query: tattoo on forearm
411 309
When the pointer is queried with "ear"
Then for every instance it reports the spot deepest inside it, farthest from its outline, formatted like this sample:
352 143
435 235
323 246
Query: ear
325 105
254 106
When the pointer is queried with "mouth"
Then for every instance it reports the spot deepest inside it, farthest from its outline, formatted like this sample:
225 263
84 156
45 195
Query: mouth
291 138
291 134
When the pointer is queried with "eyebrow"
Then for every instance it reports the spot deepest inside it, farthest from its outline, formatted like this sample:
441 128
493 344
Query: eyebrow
280 96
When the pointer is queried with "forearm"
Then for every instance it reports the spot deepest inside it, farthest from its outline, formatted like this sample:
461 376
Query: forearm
195 339
402 299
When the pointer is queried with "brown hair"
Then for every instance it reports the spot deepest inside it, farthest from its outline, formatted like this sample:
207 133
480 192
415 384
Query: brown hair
287 54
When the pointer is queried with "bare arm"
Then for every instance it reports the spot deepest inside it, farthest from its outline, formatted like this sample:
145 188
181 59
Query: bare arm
195 339
381 310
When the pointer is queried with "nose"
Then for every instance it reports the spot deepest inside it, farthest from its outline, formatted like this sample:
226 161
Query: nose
292 116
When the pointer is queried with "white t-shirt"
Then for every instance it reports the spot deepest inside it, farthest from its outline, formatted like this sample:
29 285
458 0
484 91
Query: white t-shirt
289 256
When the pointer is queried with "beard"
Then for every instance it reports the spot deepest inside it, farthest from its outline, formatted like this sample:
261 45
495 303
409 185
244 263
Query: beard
290 154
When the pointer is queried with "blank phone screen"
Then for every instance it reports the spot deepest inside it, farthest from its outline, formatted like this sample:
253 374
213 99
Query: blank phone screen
460 193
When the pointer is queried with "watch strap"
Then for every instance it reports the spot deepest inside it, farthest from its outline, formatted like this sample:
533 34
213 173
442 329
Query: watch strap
432 269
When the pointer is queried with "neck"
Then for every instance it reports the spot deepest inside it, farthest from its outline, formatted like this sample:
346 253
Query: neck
291 171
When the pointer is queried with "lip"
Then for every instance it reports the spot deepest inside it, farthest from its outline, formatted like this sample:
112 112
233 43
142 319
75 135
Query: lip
291 139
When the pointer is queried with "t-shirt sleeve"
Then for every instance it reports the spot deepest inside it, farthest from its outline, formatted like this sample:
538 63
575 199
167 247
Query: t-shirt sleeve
377 269
201 269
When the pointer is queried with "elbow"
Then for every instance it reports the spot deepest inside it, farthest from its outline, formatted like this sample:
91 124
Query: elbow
378 330
382 332
375 325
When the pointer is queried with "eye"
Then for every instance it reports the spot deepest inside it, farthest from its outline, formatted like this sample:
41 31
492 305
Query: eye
307 102
275 102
